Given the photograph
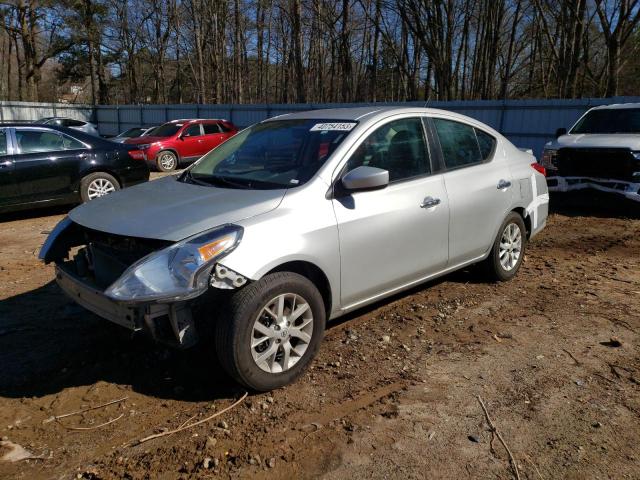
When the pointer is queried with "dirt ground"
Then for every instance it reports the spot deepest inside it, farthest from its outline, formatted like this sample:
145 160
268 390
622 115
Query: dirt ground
554 355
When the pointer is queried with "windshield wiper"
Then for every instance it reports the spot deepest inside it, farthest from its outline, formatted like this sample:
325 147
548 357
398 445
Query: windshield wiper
218 180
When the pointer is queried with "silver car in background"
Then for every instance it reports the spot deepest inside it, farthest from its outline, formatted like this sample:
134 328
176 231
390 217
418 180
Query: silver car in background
72 123
298 220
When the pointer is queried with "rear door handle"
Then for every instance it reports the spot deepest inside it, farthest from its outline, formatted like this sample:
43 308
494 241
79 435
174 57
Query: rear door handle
6 164
429 202
502 184
83 155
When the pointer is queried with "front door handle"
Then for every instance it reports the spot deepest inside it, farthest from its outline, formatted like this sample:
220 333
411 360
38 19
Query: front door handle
502 184
429 202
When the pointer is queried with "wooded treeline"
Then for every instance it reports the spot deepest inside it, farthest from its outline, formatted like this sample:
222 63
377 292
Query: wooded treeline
281 51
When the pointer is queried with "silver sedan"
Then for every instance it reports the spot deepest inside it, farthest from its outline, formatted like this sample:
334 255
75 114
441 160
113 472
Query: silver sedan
298 220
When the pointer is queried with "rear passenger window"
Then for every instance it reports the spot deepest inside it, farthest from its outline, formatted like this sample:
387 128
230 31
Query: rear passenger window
3 143
458 142
398 147
34 141
210 128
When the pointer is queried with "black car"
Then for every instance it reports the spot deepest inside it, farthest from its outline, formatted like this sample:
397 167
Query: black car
49 165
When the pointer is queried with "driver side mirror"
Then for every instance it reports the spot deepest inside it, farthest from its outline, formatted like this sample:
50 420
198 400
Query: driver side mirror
365 178
560 132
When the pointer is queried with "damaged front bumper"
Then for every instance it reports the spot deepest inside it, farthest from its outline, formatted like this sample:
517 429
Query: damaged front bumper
630 190
168 323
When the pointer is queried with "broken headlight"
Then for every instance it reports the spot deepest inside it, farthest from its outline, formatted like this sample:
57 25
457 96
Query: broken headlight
178 272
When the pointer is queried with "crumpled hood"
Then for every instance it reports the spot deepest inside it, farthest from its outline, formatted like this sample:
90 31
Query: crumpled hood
169 210
598 140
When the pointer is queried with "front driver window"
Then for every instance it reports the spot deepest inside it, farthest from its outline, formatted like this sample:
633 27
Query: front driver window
398 147
192 131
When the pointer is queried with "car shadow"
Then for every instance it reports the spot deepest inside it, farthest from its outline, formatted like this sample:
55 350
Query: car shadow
593 203
36 213
48 344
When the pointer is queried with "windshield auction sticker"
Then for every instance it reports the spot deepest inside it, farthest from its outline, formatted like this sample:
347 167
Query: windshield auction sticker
341 127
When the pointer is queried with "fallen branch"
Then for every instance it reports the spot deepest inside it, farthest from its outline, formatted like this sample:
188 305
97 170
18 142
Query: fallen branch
534 466
185 427
571 355
494 430
94 427
78 412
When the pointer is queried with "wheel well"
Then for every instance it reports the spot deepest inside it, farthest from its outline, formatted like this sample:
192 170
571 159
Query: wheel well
312 273
526 218
175 152
96 170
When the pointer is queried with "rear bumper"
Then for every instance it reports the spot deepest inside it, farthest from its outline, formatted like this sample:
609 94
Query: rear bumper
133 176
171 324
629 190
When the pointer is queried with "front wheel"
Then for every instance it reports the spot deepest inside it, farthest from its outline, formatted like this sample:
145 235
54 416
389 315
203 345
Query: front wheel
508 249
270 331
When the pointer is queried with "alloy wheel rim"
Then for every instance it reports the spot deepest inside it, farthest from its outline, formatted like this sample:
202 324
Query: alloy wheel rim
167 161
99 188
510 247
281 333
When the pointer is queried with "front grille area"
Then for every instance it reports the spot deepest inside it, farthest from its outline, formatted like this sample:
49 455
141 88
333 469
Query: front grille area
105 257
614 163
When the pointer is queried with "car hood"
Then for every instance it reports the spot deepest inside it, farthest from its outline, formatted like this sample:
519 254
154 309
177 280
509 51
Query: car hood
598 140
144 140
167 209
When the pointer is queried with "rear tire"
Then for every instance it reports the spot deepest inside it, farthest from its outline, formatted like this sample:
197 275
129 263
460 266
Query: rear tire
269 331
166 161
96 185
508 249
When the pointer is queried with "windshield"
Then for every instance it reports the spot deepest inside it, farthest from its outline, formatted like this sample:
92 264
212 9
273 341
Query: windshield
167 130
275 154
621 120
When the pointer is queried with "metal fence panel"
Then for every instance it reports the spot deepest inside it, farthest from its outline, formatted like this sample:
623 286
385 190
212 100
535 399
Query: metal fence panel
527 123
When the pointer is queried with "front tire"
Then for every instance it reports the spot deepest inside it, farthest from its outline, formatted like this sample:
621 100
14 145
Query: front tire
167 161
96 185
270 331
508 249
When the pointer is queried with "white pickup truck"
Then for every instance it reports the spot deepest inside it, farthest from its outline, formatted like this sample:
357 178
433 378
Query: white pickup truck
601 151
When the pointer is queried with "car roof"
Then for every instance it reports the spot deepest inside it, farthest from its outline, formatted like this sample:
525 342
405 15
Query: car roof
617 106
189 120
370 113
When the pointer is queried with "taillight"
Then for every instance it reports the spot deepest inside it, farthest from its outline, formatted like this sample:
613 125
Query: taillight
539 168
137 154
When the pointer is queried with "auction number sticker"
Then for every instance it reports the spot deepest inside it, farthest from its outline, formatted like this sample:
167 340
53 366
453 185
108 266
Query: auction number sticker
341 127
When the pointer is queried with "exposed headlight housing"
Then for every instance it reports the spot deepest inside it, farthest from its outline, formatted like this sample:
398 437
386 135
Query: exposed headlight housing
548 159
178 272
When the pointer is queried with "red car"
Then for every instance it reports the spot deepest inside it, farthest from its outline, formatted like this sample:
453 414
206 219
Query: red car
183 141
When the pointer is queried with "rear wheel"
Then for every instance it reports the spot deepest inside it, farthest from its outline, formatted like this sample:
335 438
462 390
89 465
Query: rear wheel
166 161
270 331
96 185
508 249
